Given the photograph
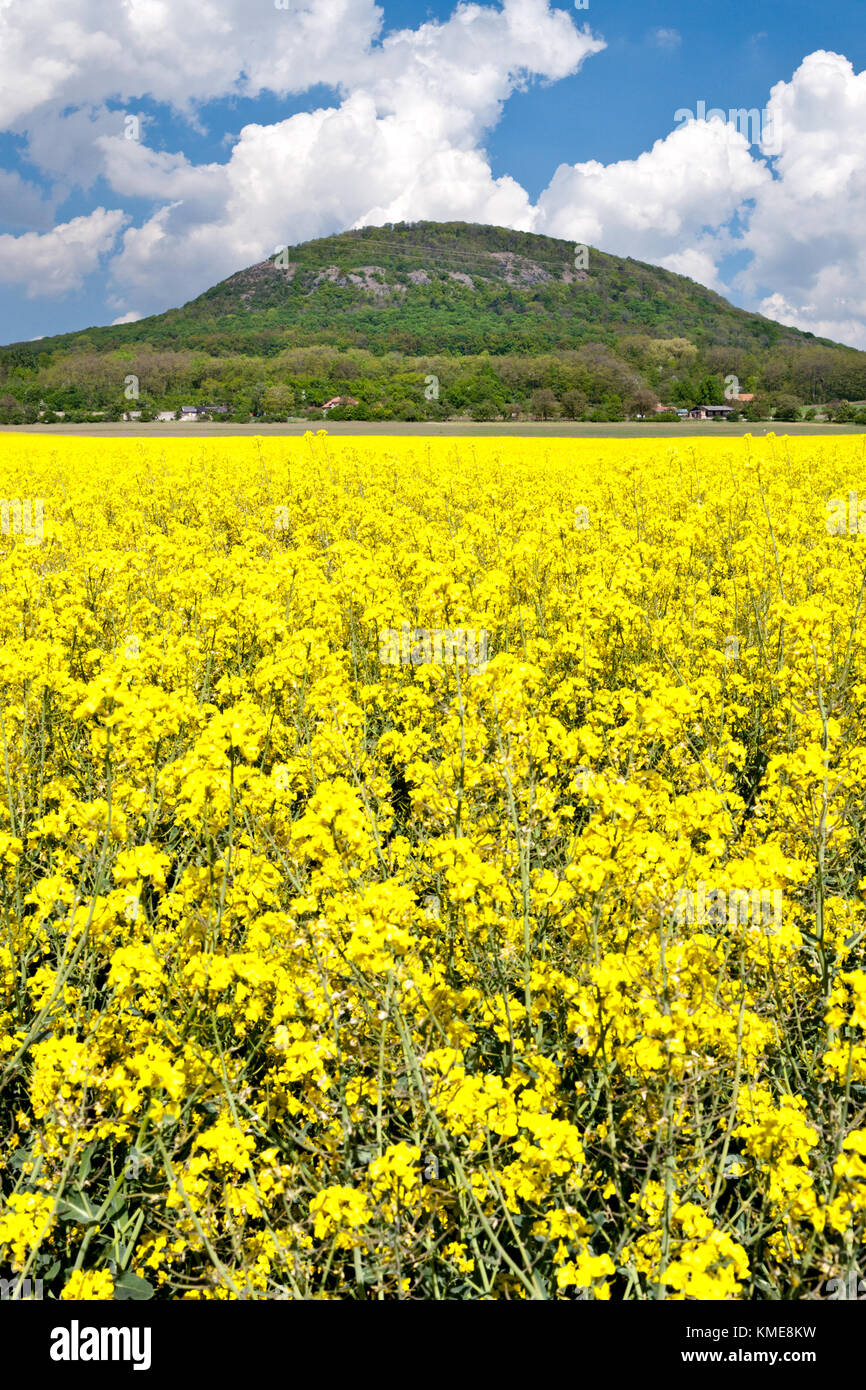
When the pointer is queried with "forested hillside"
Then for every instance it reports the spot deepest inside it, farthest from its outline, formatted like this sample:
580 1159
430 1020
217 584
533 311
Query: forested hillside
431 320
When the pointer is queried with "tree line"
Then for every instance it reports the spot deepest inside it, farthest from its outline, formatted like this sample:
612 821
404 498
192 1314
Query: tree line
597 382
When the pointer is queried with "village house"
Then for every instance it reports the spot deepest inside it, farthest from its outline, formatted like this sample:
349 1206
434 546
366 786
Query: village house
339 400
704 412
201 412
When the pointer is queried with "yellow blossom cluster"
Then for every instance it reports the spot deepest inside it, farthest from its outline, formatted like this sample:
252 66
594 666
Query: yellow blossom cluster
327 977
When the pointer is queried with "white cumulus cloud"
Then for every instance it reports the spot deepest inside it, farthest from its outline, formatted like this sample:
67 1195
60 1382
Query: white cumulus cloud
55 262
87 52
805 233
667 38
403 143
661 203
402 138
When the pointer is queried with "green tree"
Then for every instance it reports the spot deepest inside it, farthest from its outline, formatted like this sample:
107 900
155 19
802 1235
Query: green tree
574 404
609 409
711 391
642 402
543 404
760 408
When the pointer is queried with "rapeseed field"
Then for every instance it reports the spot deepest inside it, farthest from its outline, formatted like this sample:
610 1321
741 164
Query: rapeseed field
432 869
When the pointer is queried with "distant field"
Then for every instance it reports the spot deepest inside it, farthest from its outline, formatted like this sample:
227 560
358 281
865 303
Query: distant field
424 429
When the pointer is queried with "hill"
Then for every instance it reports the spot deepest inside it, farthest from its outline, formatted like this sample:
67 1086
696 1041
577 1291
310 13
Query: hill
496 316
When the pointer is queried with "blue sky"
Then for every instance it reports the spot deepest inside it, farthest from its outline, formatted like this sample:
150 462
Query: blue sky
264 122
730 55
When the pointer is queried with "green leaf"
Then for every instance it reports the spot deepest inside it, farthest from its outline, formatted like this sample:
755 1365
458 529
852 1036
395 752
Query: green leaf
117 1204
78 1208
132 1286
85 1165
125 1251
